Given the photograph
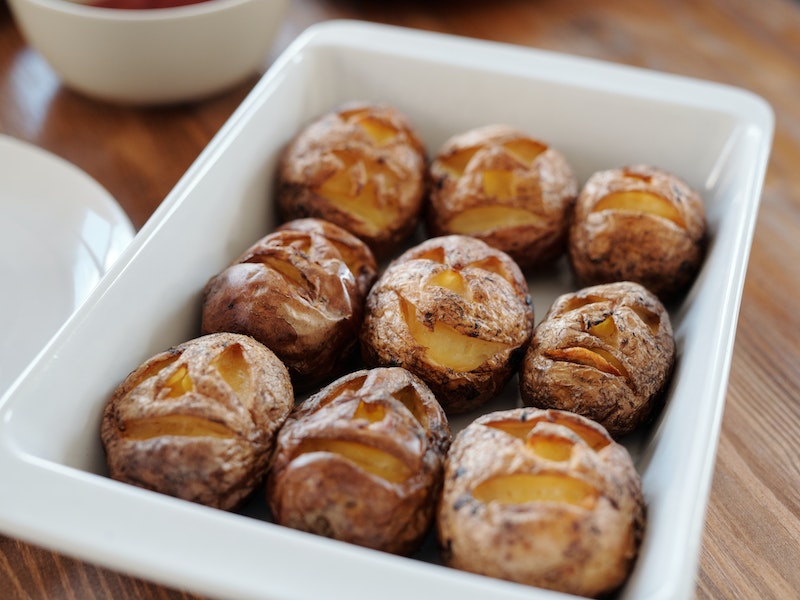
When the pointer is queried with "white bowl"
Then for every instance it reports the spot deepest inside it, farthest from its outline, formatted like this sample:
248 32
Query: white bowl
152 56
600 115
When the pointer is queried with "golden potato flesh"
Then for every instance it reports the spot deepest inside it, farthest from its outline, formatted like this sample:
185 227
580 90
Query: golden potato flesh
300 291
198 421
361 166
638 224
505 188
361 461
455 312
606 352
544 498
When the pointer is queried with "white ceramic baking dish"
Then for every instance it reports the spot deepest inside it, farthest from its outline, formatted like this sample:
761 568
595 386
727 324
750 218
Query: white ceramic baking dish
54 488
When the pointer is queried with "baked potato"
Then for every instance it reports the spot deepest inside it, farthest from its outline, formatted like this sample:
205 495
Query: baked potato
361 166
199 420
361 461
506 188
455 312
640 224
544 498
606 352
300 291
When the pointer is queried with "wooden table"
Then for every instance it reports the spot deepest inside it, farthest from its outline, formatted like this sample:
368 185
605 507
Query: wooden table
751 547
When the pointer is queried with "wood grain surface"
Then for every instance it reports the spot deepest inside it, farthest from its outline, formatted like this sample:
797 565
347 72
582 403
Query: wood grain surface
751 545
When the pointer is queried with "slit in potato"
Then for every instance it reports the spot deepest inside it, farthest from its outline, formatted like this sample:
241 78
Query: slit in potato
499 183
551 447
522 488
350 114
372 412
605 330
525 150
447 347
154 368
522 429
577 302
353 385
287 270
434 253
354 189
351 257
369 459
493 264
173 425
489 218
640 201
378 130
456 163
235 370
451 280
179 383
649 318
600 359
631 174
409 398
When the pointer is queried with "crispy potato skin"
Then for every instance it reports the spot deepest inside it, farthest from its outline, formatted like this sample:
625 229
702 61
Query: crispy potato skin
230 393
314 488
628 245
584 546
300 291
339 144
545 188
626 324
352 251
492 306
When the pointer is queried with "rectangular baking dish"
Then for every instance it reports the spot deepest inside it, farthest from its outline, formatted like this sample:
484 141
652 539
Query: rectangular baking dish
54 488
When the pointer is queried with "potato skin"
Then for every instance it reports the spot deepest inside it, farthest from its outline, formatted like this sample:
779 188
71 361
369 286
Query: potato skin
627 245
544 188
355 254
199 420
584 546
300 291
492 308
338 151
622 386
314 488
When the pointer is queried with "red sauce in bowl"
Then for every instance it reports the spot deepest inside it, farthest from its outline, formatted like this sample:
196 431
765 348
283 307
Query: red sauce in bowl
143 4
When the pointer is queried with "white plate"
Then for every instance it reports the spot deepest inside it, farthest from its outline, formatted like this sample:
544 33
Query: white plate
600 115
59 232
